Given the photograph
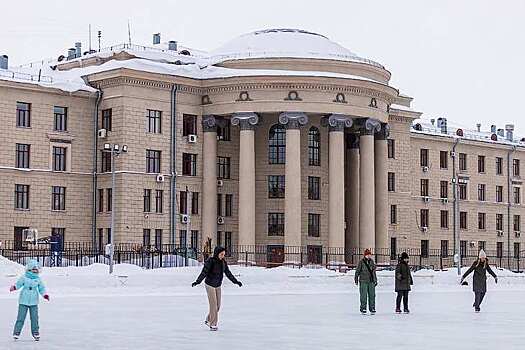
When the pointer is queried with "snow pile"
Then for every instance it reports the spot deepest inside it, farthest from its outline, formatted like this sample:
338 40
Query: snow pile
9 268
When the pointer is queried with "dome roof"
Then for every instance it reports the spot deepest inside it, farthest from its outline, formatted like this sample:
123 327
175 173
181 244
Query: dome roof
285 43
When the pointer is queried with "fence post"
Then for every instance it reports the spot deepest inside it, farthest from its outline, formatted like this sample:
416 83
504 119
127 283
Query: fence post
246 257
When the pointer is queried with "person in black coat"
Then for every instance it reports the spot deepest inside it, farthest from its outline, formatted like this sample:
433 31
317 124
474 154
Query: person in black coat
479 280
403 282
212 273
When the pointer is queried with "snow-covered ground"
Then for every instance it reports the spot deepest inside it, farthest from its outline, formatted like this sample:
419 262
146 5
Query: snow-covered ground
275 309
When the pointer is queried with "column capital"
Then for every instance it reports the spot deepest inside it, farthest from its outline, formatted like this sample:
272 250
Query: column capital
352 141
337 122
209 123
293 120
384 133
246 120
368 126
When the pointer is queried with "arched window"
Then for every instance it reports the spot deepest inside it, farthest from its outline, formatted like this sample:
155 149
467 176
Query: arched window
314 146
277 144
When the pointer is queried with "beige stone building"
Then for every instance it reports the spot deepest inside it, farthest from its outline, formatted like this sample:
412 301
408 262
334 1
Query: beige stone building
280 141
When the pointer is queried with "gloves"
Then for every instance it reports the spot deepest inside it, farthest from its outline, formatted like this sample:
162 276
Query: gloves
46 297
239 283
496 280
12 289
194 284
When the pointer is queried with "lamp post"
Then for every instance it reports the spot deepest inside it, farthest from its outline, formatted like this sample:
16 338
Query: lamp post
115 151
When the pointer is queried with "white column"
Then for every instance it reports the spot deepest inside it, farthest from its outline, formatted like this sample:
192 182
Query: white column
209 180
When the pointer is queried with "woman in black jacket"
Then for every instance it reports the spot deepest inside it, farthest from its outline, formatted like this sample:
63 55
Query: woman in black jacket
403 282
212 273
479 280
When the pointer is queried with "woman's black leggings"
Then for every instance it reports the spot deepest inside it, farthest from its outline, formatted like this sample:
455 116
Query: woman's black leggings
402 295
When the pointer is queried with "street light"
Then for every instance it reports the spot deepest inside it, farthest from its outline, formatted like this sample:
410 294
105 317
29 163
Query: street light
115 151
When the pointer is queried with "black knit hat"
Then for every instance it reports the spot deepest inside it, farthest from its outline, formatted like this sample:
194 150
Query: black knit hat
404 256
218 250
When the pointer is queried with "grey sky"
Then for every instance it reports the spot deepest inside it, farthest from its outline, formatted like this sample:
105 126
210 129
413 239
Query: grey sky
458 59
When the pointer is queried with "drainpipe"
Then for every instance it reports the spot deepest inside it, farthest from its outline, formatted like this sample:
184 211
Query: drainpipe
173 165
509 197
95 159
457 242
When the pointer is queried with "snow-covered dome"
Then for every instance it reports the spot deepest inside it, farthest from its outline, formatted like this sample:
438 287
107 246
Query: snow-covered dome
285 43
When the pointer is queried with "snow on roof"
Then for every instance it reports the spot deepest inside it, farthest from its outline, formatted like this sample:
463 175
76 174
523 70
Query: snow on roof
285 43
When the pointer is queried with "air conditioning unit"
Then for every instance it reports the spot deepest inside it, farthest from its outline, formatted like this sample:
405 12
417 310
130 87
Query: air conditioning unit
425 169
220 220
192 138
220 183
102 133
426 199
424 229
517 234
160 178
500 233
444 200
184 219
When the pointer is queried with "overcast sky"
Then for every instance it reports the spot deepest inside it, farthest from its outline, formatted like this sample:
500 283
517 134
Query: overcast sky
463 60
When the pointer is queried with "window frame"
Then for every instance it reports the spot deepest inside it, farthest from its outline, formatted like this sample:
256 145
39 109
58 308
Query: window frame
22 155
276 186
23 116
153 161
153 121
314 225
60 119
314 146
58 198
277 144
275 224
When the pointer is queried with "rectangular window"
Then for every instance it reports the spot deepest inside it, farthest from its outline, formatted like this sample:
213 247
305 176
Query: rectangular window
462 191
314 190
228 205
444 219
499 166
223 131
154 121
22 155
423 157
107 119
146 237
393 248
228 243
100 205
499 222
516 250
19 239
183 238
482 245
443 189
391 148
444 248
223 167
517 223
21 196
391 182
158 239
481 192
147 200
108 235
276 186
424 248
153 161
517 195
195 203
58 198
499 250
159 201
463 222
424 217
219 204
463 248
275 224
59 158
516 167
482 221
499 194
189 164
105 162
443 160
60 121
219 238
463 162
393 214
183 202
424 187
194 239
189 125
481 164
23 115
313 224
109 199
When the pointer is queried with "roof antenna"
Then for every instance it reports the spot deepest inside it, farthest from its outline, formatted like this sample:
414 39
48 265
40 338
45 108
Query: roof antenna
90 38
129 33
99 36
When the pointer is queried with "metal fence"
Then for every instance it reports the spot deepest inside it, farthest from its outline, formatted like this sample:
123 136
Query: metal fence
168 255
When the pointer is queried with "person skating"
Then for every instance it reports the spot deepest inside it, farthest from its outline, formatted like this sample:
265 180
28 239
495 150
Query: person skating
212 273
30 286
403 282
365 277
479 280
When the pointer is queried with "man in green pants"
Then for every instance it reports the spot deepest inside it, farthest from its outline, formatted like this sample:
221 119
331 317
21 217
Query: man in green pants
365 277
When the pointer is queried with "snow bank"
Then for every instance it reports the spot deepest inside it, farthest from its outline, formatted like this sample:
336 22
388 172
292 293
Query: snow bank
9 268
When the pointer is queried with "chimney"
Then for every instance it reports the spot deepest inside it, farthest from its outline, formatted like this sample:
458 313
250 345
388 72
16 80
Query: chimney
510 132
78 49
4 60
501 133
172 45
432 121
444 126
71 53
156 38
493 129
478 126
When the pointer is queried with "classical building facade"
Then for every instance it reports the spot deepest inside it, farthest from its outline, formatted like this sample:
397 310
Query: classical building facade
280 140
